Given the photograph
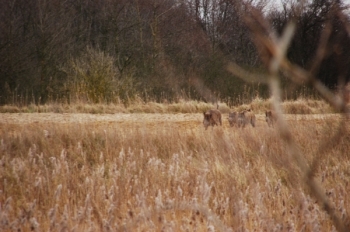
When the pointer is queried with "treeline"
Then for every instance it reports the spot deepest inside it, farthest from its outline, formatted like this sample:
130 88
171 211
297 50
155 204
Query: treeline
116 50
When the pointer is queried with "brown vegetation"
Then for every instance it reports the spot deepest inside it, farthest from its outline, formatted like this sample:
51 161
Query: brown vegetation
160 174
299 106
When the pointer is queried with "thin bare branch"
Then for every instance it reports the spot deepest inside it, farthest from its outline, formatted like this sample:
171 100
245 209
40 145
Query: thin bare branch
322 49
274 56
247 76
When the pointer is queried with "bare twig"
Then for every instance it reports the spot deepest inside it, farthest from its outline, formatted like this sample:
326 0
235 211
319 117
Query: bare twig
273 54
245 75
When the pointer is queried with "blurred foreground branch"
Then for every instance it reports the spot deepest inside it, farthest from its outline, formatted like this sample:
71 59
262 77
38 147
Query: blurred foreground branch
273 54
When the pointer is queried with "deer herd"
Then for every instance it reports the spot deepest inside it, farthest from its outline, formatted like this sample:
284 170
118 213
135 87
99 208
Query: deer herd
239 119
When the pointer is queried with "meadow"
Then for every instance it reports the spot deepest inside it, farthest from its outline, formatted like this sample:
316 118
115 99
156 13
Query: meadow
155 168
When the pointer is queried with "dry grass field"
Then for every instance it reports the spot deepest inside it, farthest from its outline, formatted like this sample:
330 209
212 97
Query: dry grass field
164 172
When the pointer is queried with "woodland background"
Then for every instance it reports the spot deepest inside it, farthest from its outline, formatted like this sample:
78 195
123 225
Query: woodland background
160 50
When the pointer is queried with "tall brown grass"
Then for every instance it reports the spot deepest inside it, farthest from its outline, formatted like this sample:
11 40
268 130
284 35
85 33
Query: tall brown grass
166 176
299 106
